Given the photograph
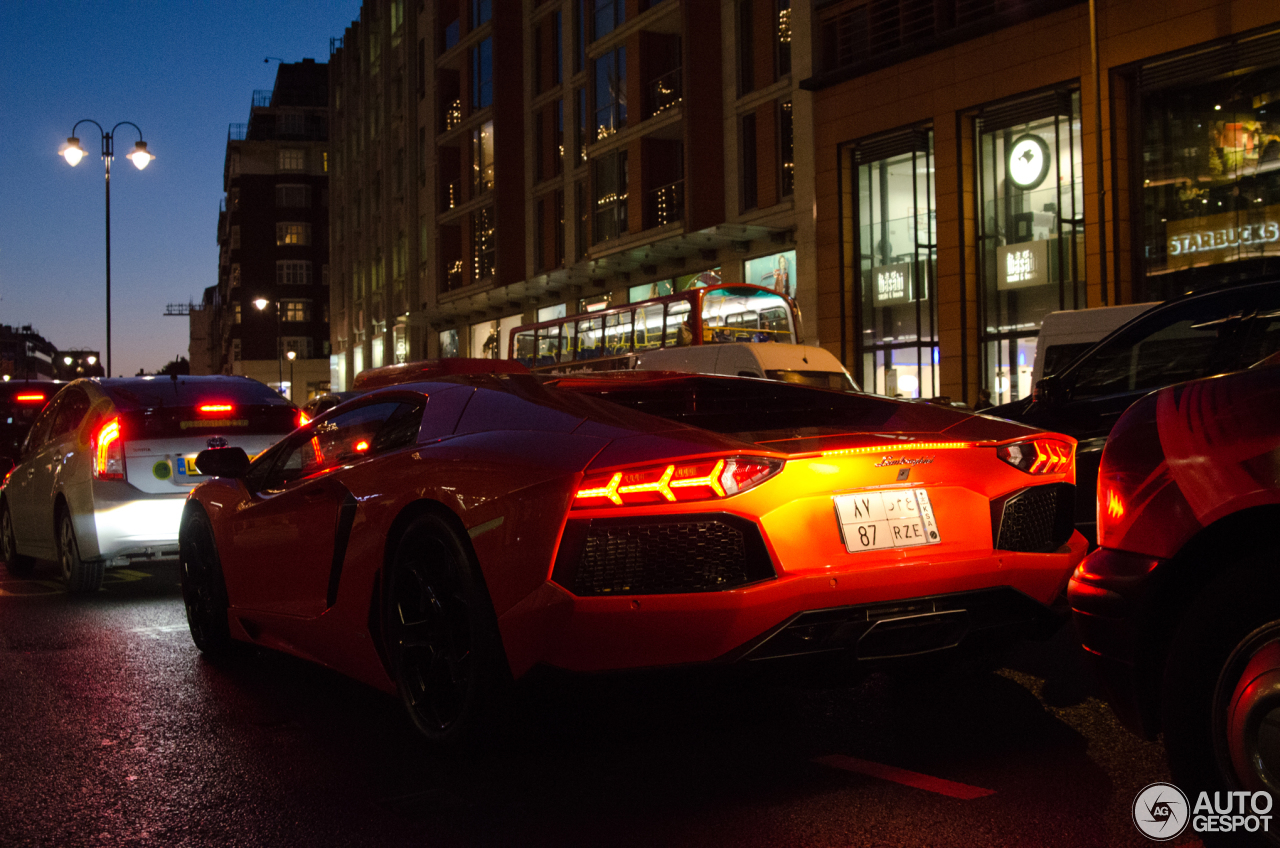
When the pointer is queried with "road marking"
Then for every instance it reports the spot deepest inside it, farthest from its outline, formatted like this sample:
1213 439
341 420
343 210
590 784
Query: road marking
908 778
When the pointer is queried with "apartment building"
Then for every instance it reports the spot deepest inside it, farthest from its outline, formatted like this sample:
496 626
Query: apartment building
269 315
497 163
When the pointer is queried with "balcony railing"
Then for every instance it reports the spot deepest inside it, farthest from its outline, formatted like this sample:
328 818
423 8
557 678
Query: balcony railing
261 98
237 132
664 93
664 205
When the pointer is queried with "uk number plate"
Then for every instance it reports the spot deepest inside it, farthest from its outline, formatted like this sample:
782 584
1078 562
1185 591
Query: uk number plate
890 518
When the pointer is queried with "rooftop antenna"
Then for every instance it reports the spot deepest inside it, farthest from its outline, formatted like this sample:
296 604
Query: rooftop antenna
271 59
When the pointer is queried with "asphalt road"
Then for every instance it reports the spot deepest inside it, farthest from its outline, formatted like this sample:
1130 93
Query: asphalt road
114 731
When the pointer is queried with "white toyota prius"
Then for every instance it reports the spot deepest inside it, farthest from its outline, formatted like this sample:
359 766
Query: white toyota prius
108 463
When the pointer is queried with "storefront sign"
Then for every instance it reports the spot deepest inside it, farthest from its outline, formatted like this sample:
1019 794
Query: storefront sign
891 284
1222 238
1028 161
1022 265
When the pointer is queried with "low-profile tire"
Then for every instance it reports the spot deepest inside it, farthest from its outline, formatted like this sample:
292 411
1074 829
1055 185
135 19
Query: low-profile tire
81 576
16 564
442 638
204 591
1220 694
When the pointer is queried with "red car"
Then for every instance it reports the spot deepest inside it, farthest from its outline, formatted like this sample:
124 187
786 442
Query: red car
443 538
1179 609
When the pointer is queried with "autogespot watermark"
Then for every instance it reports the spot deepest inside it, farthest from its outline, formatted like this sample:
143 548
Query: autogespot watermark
1162 812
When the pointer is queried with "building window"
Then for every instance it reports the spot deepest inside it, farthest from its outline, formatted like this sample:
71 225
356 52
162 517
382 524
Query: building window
746 47
1030 228
482 75
293 196
302 346
786 150
611 93
483 244
481 12
449 344
557 51
235 237
895 240
293 273
782 37
291 123
235 350
293 232
607 16
291 159
400 257
583 123
295 310
610 207
235 274
747 143
1210 171
236 313
482 159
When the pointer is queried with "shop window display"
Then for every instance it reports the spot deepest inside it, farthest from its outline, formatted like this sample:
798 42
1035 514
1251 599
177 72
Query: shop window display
1030 229
1211 180
896 236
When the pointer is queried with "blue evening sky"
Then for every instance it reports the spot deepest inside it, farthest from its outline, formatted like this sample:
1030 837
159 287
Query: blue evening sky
182 70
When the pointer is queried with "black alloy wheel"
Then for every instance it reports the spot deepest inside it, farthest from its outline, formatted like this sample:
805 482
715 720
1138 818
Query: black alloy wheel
17 564
81 576
441 634
204 591
1220 697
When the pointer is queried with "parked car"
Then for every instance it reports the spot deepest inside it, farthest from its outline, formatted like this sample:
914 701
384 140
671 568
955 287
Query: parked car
1179 607
440 539
108 463
325 402
1181 339
20 403
1066 334
791 363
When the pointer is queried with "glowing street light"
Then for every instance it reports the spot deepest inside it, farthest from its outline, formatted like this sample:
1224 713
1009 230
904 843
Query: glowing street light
140 156
262 303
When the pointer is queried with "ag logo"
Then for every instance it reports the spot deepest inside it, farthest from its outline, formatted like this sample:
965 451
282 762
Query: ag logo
1161 812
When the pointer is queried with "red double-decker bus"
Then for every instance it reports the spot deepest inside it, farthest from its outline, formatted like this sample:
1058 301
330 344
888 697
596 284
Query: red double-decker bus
611 338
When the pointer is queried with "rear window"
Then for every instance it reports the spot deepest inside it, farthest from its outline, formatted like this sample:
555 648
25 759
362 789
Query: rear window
165 393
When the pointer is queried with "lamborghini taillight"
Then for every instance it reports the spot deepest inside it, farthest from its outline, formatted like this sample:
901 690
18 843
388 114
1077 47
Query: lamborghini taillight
1040 456
682 481
108 452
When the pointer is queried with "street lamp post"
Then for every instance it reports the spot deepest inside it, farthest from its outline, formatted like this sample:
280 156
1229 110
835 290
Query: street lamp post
292 356
140 156
262 303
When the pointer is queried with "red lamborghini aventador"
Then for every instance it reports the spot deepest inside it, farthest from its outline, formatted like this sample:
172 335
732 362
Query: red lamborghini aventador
440 539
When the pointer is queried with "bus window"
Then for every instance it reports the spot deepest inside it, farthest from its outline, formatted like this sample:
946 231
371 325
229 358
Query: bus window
617 333
589 338
524 348
548 345
745 315
679 325
649 327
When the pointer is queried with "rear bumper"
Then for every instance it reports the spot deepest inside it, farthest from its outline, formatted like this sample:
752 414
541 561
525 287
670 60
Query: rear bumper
868 616
1108 597
130 525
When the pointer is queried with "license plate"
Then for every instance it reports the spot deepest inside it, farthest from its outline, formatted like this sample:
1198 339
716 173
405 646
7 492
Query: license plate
886 518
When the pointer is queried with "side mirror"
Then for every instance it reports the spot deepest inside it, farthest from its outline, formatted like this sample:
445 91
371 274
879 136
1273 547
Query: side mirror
1048 390
223 462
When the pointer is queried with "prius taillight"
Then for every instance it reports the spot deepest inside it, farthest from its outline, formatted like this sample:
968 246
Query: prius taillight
683 481
108 451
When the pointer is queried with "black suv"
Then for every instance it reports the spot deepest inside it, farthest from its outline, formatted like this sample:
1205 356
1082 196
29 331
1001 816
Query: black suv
1186 338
